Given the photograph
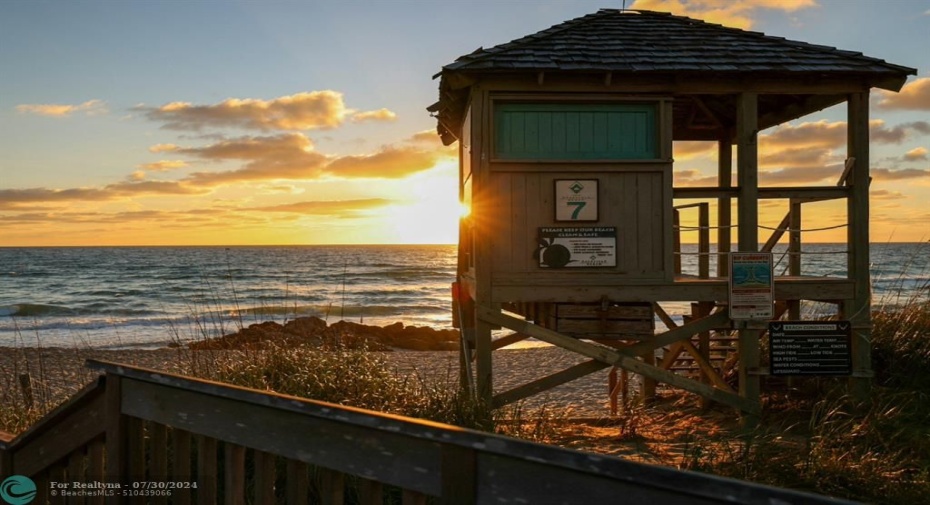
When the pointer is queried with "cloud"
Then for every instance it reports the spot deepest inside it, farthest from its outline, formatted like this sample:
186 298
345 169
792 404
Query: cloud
163 166
694 178
884 194
374 115
800 174
291 156
915 95
729 13
389 163
17 198
683 150
343 208
284 156
831 135
90 108
886 174
797 157
301 111
916 154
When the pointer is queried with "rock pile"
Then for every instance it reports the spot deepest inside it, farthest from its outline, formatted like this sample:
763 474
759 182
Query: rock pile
313 331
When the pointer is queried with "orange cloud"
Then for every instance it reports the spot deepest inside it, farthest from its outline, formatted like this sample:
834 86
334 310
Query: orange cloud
683 150
301 111
725 12
343 208
915 95
389 163
285 156
17 198
163 166
374 115
887 174
90 108
916 154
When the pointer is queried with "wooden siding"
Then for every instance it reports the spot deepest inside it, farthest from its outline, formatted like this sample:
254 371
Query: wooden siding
573 131
632 201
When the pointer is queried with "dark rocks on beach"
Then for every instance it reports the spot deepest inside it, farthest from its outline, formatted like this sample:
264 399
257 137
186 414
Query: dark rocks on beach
313 331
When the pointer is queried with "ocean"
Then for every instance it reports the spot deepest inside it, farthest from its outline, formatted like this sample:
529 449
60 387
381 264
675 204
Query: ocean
148 297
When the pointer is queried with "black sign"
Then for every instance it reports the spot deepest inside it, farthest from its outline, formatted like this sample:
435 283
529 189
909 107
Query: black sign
810 347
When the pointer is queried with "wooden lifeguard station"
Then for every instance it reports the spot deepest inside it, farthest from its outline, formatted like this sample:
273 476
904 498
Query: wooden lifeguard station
566 161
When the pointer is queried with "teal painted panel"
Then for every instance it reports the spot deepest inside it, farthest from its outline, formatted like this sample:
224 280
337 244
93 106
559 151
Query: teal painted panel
566 131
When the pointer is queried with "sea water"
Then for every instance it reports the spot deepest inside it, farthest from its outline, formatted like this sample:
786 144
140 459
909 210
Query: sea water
118 297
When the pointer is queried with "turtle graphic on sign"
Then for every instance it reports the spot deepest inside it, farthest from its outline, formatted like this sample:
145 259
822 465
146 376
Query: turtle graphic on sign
577 247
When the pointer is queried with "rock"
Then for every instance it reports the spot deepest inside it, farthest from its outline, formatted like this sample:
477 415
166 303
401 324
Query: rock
306 326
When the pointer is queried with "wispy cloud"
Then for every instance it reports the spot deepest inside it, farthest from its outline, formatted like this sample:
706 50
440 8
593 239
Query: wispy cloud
316 110
17 198
90 108
730 13
374 115
916 154
915 95
343 208
888 174
164 165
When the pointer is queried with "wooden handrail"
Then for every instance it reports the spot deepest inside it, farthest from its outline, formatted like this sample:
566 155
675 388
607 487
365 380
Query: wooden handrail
457 465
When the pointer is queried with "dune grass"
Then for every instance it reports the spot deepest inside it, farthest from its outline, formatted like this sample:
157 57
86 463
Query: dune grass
813 438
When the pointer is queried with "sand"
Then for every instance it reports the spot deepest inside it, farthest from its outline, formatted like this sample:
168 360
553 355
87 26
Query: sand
57 373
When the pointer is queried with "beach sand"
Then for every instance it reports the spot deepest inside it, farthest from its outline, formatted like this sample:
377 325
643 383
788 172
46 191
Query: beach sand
57 373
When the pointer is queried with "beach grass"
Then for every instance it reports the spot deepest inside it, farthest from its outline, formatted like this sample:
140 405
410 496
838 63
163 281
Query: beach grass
813 437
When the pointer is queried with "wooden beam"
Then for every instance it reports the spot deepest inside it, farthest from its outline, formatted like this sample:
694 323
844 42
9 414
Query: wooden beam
548 382
747 175
724 212
858 309
621 359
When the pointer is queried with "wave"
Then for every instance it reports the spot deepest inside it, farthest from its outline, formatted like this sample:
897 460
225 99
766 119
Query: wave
35 310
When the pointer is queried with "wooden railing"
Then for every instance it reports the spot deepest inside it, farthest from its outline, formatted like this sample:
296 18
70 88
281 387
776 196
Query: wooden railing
204 442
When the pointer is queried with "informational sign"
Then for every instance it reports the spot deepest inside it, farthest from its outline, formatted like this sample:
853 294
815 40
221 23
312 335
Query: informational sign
577 247
576 200
752 289
810 347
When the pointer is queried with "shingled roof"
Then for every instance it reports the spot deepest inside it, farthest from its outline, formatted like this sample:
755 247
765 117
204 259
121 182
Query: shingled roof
646 42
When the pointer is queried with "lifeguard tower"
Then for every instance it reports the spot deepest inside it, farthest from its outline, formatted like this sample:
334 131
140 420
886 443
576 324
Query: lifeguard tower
566 161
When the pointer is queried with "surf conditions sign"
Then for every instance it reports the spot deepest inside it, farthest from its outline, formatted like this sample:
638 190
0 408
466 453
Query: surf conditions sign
810 347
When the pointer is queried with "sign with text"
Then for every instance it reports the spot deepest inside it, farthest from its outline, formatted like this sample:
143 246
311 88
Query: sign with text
752 289
577 247
810 347
576 200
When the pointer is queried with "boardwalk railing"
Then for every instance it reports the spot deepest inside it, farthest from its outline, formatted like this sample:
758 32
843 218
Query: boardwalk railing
163 438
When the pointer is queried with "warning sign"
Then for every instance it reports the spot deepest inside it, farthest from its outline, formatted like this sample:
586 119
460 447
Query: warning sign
752 289
577 247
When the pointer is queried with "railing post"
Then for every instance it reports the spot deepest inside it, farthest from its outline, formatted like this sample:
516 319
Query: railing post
676 241
459 465
794 254
704 240
6 455
117 463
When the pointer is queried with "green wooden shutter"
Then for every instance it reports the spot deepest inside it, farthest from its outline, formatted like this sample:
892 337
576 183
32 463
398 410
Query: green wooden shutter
565 131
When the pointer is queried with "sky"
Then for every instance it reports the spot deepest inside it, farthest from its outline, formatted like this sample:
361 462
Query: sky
244 122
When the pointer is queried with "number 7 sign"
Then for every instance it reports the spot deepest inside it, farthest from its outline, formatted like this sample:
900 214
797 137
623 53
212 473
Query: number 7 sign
576 199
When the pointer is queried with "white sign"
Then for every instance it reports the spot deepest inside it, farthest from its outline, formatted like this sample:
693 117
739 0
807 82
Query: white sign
752 288
576 200
577 247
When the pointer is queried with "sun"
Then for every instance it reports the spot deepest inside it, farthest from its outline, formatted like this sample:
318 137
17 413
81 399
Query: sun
429 212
